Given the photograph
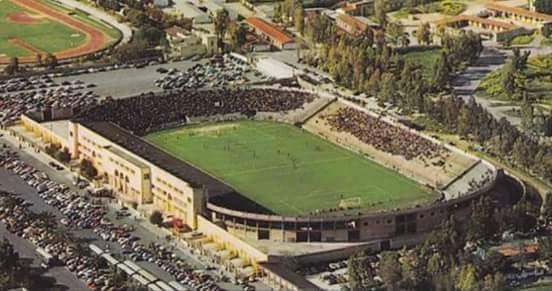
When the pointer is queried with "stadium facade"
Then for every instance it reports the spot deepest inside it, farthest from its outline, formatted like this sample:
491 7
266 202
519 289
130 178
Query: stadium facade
148 179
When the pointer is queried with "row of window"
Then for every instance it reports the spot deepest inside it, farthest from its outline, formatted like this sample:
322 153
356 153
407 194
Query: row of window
169 186
121 165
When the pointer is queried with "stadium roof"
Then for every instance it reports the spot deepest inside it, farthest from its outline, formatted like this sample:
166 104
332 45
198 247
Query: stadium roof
269 29
158 157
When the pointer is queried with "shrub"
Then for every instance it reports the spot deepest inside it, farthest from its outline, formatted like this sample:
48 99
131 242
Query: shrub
156 218
87 169
63 156
451 8
522 40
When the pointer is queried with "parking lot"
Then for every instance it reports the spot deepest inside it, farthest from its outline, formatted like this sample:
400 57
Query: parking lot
113 229
64 278
133 81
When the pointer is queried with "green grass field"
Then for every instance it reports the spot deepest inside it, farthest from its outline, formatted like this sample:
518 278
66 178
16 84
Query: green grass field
112 32
48 35
286 169
425 58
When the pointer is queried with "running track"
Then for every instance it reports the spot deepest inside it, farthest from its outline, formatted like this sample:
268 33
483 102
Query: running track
95 38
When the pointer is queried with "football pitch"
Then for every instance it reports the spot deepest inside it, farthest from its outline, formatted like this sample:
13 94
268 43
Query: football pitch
288 170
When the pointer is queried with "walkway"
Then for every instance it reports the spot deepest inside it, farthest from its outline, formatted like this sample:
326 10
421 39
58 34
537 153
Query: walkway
102 15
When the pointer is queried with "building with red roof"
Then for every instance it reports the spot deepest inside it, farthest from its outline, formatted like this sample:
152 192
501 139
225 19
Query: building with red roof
271 32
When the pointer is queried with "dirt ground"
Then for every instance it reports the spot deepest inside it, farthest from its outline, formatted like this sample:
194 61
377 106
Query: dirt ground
424 172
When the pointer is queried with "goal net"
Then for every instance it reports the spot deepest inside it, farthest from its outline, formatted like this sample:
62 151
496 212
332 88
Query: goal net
353 202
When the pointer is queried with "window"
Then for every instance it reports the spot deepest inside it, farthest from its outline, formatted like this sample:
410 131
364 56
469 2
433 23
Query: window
146 176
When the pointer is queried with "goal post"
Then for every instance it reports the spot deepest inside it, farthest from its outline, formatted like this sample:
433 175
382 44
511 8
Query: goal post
353 202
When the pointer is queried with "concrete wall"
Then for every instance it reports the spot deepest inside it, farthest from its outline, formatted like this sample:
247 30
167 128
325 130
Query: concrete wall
231 242
43 132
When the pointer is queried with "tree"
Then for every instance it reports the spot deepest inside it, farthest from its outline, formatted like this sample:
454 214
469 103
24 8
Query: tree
360 271
545 249
137 18
50 61
63 156
464 121
236 34
495 282
466 279
88 169
8 257
380 13
527 114
395 34
390 269
546 210
277 15
299 18
221 21
482 224
149 34
12 67
387 89
134 50
39 59
543 6
441 72
156 218
423 34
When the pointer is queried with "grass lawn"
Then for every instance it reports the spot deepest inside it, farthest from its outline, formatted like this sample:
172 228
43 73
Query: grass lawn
425 58
522 39
48 35
286 169
539 86
112 32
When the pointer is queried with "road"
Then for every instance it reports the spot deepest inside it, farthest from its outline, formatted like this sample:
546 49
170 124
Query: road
14 183
465 84
125 29
24 247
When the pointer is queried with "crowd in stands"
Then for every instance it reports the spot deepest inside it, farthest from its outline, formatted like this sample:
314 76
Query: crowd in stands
382 135
145 113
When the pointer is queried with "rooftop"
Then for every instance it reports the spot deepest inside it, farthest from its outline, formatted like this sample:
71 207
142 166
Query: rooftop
518 11
174 31
158 157
127 157
269 29
293 278
486 21
358 25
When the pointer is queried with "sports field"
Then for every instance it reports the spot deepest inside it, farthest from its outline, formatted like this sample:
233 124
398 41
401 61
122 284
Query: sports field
31 27
288 170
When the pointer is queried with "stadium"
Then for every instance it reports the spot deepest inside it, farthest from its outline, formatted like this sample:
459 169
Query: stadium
29 28
273 165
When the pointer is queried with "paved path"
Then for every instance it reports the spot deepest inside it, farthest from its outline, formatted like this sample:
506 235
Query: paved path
465 84
102 15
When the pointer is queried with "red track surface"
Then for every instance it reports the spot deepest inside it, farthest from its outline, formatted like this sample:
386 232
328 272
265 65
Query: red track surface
22 18
95 38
